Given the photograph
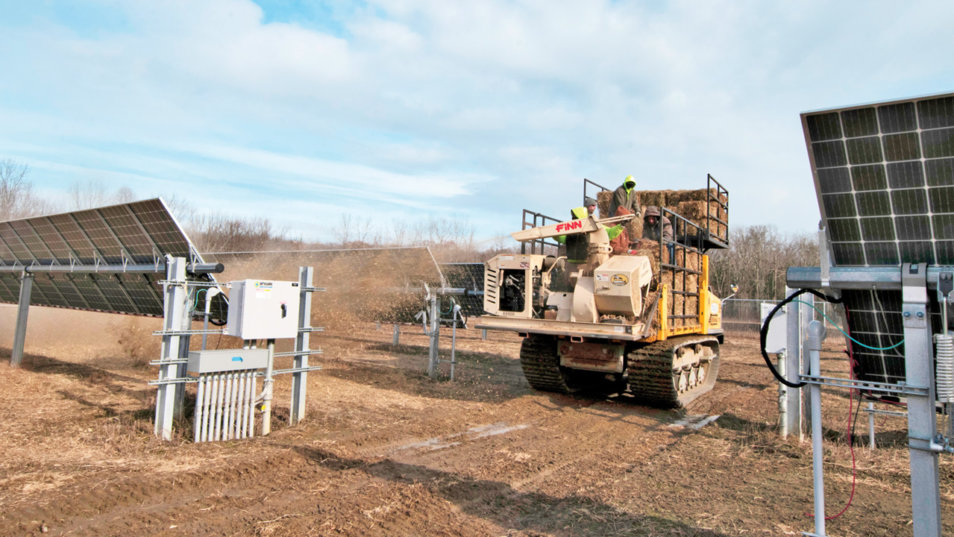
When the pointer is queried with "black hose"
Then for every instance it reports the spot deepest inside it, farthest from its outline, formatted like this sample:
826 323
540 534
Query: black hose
763 333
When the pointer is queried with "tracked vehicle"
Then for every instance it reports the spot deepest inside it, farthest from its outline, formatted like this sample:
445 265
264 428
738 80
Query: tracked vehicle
644 321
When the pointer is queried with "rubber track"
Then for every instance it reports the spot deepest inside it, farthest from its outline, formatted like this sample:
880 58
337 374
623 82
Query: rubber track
541 364
650 372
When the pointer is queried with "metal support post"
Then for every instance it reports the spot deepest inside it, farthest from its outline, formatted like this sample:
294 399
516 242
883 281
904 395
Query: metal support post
783 394
306 277
396 337
267 387
453 360
183 367
871 426
175 308
483 334
813 344
805 315
922 427
792 397
23 310
435 334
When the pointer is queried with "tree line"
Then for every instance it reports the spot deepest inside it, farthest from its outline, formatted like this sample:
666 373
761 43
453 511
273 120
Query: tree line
756 260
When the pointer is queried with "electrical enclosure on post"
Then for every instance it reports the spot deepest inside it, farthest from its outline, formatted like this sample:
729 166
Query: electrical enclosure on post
263 309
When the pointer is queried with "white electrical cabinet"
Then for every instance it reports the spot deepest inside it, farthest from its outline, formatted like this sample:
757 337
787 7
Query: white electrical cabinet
263 309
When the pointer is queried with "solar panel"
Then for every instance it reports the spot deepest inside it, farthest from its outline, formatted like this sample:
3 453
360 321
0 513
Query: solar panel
884 176
85 259
469 276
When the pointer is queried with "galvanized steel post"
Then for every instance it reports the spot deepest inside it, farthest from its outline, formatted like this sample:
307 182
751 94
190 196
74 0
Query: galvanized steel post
175 308
922 427
306 280
813 344
435 334
23 310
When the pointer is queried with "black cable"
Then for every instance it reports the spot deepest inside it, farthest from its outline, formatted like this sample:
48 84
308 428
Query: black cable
763 333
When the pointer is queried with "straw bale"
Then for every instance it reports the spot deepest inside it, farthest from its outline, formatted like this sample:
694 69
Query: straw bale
687 258
654 197
650 249
603 202
681 282
635 230
683 305
692 210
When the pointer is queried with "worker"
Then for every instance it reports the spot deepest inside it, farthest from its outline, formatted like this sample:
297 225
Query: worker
625 200
577 245
590 205
651 227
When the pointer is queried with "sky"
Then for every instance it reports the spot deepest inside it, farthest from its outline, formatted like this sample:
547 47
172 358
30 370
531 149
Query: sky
394 111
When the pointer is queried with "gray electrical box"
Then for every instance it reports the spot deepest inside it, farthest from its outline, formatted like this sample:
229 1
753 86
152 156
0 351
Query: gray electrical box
223 361
263 309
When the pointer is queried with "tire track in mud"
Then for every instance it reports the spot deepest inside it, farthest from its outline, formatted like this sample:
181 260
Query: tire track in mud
549 446
526 450
144 500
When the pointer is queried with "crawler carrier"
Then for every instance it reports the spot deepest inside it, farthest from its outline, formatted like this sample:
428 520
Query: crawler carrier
644 322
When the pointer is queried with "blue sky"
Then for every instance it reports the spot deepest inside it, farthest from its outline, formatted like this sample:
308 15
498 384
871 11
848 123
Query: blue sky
395 110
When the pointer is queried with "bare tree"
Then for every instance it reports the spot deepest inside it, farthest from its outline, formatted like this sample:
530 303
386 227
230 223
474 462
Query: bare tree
758 259
221 233
93 193
17 199
124 195
356 233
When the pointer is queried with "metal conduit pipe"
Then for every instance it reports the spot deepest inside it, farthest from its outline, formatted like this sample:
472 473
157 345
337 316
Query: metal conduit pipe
267 390
197 422
251 415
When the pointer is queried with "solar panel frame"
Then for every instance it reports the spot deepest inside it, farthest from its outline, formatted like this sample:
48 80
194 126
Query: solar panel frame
140 233
884 179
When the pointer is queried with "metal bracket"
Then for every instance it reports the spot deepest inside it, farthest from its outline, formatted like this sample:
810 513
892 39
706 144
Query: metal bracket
879 387
298 353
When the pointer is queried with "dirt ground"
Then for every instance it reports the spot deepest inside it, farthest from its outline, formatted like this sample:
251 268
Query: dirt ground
385 450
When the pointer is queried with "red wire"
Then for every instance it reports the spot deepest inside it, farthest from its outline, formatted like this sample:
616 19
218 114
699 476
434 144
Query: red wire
851 444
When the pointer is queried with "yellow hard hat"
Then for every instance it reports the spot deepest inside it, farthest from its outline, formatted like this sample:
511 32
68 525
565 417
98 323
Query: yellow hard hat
629 178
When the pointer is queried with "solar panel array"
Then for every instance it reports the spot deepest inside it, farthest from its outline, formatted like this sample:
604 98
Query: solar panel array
139 233
884 175
469 276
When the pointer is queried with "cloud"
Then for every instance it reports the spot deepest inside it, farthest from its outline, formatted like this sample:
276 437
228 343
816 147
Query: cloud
471 109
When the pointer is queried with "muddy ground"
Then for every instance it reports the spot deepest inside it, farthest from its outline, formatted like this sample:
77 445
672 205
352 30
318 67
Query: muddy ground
385 450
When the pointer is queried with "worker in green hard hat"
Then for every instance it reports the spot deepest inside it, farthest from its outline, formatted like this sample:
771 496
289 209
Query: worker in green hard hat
625 198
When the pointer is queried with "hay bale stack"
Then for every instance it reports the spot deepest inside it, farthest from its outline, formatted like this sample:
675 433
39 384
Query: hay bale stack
659 198
650 248
693 205
696 212
683 305
693 210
